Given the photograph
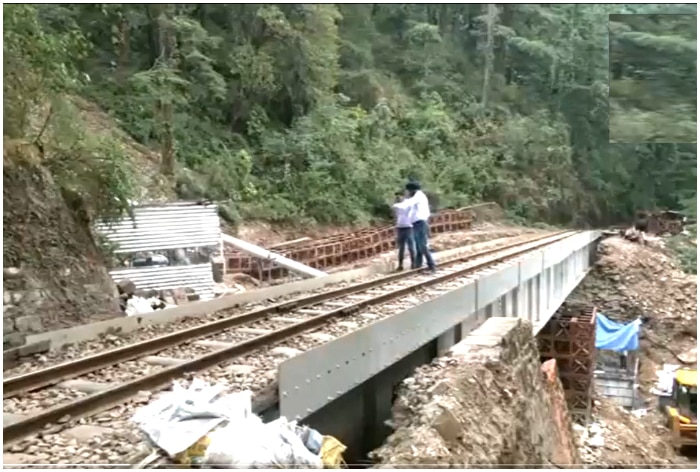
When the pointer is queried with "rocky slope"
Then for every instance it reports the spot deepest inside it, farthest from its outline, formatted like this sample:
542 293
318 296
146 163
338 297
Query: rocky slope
631 280
54 275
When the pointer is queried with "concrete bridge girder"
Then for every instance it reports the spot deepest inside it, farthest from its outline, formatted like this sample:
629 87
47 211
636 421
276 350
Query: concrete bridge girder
531 288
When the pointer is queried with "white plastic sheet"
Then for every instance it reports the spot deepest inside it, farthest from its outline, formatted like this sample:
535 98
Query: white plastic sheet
664 383
138 305
179 418
238 439
254 445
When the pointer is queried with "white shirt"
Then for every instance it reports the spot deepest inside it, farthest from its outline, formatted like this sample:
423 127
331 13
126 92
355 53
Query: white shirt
418 207
403 217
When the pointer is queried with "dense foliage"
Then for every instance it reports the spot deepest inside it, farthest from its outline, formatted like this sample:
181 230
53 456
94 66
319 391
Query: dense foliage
653 78
322 111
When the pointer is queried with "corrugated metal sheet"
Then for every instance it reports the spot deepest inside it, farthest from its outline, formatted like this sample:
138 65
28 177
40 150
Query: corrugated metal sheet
617 388
171 226
161 227
616 383
197 277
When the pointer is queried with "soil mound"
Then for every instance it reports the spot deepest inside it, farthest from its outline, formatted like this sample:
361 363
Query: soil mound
631 280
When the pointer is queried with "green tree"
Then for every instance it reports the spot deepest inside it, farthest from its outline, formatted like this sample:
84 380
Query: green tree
319 112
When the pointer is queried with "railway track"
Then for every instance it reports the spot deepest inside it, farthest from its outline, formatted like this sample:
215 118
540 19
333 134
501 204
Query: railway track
257 341
108 341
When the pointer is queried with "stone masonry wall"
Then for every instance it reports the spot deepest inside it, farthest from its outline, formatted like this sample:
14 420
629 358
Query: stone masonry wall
486 403
30 307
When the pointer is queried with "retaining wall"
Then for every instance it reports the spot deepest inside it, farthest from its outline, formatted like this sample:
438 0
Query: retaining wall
29 310
485 403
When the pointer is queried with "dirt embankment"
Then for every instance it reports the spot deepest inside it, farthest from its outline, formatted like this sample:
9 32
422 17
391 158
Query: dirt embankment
53 273
489 402
631 280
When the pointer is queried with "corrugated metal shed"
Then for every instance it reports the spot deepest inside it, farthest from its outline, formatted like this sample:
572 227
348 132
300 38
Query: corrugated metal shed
171 226
197 277
163 227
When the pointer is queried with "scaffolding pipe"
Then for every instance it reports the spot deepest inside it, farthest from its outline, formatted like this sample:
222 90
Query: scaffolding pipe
257 251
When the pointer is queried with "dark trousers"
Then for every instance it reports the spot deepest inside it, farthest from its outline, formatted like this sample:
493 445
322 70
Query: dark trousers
420 235
404 239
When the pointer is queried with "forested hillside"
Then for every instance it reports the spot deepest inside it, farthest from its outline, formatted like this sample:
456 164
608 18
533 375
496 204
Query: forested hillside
320 112
653 90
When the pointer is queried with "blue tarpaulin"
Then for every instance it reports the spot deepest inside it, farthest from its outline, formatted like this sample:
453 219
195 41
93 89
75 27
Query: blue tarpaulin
616 336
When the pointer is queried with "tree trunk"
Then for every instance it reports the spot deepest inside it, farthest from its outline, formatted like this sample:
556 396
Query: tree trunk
491 14
161 15
123 48
167 150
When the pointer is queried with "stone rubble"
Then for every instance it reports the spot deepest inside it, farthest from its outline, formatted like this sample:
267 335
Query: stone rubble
480 405
616 438
630 281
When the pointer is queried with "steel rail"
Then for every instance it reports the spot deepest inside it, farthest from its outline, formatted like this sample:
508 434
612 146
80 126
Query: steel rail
14 386
116 395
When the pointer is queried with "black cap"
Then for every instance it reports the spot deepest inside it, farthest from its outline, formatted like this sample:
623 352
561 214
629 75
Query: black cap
413 186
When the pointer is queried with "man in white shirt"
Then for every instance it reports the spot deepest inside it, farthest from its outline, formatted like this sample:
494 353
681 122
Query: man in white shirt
404 232
419 209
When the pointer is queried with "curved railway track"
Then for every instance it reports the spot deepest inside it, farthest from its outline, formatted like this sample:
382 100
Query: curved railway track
255 339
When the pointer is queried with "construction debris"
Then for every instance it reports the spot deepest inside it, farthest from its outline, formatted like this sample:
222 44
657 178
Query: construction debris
638 236
631 281
204 426
660 222
138 302
639 281
616 438
139 305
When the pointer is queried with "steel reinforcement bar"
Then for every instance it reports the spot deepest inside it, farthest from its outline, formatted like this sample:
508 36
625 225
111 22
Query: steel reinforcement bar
114 396
340 249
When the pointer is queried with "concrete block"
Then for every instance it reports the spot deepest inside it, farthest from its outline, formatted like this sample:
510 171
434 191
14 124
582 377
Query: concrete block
34 296
86 386
13 340
9 310
11 272
254 331
163 361
8 325
28 324
33 348
213 344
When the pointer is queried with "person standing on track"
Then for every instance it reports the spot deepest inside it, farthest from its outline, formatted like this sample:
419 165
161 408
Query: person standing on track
404 232
419 209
